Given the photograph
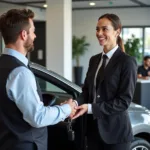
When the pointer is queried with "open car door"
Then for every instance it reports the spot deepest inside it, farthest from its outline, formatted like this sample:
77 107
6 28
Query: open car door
54 92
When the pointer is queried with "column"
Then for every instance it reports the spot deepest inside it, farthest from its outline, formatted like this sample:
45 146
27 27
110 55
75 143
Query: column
59 37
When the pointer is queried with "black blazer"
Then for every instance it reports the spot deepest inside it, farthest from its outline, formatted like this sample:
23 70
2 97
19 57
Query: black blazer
114 95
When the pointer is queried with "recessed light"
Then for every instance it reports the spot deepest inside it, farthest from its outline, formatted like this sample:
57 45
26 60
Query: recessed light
45 5
92 4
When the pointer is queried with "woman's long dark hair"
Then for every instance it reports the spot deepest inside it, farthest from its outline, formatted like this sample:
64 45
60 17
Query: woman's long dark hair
116 23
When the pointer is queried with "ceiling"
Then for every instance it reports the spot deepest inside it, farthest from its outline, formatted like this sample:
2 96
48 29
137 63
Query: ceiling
84 4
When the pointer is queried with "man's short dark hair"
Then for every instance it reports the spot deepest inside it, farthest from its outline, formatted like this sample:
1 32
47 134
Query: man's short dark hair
13 22
146 57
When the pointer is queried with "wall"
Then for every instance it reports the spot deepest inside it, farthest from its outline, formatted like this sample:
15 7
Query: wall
84 23
39 13
5 7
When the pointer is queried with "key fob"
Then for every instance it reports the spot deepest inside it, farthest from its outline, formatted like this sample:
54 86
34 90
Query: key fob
71 135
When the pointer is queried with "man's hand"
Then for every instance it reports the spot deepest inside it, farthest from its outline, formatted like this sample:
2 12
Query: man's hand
73 106
146 78
80 111
141 77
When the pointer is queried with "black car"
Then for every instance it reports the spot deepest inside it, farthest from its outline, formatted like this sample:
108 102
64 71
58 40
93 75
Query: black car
58 89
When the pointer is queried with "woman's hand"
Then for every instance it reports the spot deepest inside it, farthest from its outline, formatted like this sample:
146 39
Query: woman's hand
82 109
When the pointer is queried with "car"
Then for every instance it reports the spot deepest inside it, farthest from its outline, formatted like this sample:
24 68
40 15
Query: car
57 89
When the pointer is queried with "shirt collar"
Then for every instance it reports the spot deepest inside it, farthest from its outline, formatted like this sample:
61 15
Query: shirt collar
111 52
16 54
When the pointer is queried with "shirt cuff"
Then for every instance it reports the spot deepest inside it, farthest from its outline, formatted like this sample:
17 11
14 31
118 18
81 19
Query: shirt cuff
76 102
90 109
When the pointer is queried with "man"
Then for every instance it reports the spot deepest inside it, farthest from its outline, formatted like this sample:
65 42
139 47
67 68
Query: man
23 117
144 70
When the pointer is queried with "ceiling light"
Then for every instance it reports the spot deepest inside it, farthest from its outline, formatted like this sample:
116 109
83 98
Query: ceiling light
45 5
92 4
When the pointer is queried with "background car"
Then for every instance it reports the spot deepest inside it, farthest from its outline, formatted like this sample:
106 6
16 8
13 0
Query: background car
58 89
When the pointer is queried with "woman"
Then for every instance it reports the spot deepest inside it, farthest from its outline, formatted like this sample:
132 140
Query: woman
108 90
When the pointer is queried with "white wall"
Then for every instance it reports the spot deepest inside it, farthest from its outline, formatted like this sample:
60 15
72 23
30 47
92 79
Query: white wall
5 7
39 13
84 23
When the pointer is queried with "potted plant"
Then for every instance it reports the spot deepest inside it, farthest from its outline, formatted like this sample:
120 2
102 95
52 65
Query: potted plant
79 47
132 47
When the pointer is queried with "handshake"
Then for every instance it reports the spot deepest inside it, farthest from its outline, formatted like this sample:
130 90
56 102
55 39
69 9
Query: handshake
76 111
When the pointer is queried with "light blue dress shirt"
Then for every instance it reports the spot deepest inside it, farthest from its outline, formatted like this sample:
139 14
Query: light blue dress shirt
109 55
22 90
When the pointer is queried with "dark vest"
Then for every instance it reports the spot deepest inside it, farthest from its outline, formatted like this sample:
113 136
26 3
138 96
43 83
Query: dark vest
14 131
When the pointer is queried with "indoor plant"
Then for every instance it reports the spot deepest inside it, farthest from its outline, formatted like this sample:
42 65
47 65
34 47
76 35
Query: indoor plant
132 47
79 47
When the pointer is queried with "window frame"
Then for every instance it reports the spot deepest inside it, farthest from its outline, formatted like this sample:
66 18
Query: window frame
56 82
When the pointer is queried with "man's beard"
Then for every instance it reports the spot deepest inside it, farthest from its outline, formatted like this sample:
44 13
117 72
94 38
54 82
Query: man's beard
28 45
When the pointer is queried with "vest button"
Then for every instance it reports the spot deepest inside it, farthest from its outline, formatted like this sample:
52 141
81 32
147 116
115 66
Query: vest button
98 96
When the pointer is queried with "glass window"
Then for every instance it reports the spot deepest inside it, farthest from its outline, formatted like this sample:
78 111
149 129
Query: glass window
147 41
128 33
49 87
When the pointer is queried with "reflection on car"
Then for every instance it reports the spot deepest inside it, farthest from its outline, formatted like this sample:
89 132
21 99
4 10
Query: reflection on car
56 89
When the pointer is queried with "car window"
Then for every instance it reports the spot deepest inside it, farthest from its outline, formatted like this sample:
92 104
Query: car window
46 86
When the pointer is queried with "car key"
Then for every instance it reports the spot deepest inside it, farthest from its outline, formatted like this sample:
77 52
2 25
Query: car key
71 133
